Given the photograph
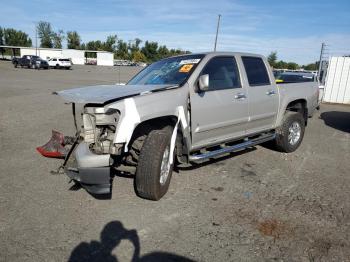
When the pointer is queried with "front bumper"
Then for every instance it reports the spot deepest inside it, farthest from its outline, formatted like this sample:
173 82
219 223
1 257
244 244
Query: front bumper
92 171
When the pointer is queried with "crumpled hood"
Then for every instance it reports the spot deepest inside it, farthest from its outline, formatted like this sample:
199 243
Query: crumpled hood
101 94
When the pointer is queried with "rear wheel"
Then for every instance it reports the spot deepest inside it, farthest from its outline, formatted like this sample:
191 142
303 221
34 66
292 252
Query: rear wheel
154 169
291 133
15 65
57 66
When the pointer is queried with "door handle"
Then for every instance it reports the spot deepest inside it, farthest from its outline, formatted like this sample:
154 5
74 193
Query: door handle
270 93
240 96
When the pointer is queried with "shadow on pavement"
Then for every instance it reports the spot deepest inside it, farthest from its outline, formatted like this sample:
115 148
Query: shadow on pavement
111 236
337 120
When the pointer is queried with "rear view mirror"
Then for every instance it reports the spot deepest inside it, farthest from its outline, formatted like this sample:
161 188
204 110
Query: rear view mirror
203 83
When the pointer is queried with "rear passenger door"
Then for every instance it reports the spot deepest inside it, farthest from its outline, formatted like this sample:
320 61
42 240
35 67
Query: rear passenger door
262 93
221 112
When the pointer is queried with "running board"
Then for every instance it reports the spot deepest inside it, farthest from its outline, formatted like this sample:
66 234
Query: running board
228 149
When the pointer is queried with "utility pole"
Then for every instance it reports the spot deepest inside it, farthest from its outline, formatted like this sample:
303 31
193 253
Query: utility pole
217 32
320 62
36 40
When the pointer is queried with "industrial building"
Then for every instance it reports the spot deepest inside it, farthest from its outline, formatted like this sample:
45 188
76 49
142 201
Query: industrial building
77 57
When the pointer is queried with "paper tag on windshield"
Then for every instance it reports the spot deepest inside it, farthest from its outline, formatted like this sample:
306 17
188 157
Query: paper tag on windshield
189 61
185 68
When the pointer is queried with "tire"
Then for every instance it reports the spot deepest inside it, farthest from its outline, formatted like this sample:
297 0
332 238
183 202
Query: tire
15 65
150 183
291 133
57 66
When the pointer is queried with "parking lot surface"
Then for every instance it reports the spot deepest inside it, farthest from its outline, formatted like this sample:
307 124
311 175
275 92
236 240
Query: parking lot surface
255 205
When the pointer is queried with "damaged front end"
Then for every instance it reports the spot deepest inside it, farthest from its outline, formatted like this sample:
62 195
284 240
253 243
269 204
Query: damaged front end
87 155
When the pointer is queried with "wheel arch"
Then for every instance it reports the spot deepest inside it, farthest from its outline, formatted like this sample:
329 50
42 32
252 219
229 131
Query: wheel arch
295 105
181 142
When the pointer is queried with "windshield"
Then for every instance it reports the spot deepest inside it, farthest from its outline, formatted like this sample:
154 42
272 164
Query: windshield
173 70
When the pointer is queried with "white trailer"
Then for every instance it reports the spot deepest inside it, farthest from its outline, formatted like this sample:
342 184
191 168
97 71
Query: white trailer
337 87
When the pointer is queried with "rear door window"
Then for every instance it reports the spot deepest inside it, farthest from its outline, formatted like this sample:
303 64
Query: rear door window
256 71
223 73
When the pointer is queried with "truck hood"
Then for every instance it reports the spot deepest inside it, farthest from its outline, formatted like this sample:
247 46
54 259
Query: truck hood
102 94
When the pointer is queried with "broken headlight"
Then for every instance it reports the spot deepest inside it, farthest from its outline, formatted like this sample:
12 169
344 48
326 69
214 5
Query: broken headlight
99 129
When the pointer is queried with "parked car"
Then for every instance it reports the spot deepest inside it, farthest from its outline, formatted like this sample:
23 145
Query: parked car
295 77
30 61
184 109
60 63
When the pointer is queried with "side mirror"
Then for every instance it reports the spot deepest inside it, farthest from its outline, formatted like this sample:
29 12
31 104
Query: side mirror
203 83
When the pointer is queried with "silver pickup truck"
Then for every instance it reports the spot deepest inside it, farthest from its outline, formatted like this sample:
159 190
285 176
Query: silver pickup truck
181 110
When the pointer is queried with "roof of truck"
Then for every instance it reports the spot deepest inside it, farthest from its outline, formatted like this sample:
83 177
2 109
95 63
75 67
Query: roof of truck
224 53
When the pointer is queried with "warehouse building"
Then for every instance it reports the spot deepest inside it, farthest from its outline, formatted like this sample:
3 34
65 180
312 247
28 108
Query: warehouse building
78 57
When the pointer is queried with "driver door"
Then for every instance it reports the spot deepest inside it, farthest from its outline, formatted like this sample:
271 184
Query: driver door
220 113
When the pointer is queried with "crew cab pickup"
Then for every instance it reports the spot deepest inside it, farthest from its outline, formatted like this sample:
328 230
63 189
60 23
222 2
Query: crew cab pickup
30 61
182 110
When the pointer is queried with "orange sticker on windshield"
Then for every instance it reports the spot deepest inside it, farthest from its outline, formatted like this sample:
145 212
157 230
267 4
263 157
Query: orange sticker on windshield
186 68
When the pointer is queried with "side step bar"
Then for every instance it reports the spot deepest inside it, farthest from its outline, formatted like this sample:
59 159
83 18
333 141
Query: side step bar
228 149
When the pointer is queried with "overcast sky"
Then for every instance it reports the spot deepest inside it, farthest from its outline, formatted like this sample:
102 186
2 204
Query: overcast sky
295 29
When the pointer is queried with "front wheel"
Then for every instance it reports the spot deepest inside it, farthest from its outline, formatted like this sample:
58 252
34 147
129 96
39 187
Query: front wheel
291 133
155 164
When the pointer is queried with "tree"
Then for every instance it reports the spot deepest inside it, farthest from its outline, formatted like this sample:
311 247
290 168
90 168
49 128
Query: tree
122 50
45 34
73 40
2 50
163 52
94 45
272 59
58 38
15 38
1 36
134 45
312 66
138 56
292 66
150 51
109 45
83 46
173 52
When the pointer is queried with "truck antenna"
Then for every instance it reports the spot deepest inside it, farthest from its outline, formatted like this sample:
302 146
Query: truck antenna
217 32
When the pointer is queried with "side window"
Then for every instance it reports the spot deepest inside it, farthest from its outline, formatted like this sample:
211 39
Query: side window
256 71
223 73
54 59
